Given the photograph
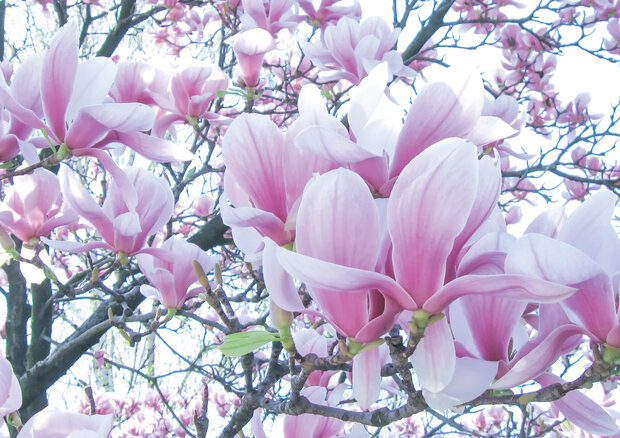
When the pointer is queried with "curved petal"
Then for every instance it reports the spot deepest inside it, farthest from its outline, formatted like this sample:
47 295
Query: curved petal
581 410
58 76
278 282
434 359
516 287
471 378
533 363
367 377
441 110
428 208
253 151
321 274
330 145
336 209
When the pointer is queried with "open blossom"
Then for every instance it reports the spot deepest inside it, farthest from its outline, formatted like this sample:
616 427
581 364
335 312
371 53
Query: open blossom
330 11
192 91
33 206
124 226
272 15
170 271
349 50
71 110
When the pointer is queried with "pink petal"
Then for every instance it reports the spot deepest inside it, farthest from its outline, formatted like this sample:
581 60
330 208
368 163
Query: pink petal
533 363
52 423
434 359
438 112
581 410
489 129
428 208
471 378
93 80
266 223
58 76
255 142
154 148
367 377
336 209
556 261
516 287
330 146
337 278
279 283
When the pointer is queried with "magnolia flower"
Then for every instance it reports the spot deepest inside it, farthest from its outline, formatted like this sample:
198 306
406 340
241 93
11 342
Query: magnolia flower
250 48
265 175
272 15
192 91
170 271
349 50
32 206
124 226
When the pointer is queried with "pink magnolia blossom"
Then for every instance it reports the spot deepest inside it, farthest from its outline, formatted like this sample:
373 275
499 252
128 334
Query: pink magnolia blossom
50 423
431 214
71 96
124 227
265 176
170 271
33 206
10 392
272 15
193 90
585 255
349 50
250 48
330 11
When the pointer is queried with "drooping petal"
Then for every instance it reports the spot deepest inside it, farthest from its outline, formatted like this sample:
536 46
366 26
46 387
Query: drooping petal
367 377
428 208
268 224
279 283
434 359
581 410
471 378
531 364
516 287
338 278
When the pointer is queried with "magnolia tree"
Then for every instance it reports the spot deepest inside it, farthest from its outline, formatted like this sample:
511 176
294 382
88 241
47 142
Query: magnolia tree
293 218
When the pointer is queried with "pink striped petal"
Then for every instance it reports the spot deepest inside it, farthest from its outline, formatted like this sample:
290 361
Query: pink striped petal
532 364
581 410
367 377
516 287
428 208
253 151
336 209
438 112
434 359
338 278
58 76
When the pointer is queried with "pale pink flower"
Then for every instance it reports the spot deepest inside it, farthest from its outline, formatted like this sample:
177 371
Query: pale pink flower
170 271
124 226
250 48
330 11
349 50
33 206
272 15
